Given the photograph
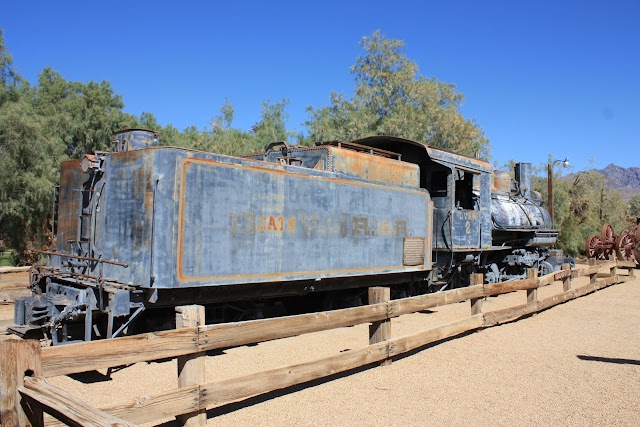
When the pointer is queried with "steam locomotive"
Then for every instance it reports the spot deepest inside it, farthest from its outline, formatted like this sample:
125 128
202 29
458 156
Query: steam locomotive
146 227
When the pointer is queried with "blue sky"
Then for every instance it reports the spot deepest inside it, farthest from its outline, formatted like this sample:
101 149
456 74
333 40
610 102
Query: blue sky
541 78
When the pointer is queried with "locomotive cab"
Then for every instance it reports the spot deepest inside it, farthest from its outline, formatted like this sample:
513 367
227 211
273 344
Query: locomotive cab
457 193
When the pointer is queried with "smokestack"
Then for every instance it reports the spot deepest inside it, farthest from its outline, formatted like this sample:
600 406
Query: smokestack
523 178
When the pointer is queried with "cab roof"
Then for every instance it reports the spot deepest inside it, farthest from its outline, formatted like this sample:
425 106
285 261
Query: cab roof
410 149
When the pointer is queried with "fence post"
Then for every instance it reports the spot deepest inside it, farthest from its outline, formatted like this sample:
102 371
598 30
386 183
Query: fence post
191 367
476 303
532 294
380 331
593 278
566 282
613 270
18 358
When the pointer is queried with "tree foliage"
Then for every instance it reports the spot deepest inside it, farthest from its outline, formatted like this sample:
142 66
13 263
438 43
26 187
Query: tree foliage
634 206
392 98
10 81
222 137
40 126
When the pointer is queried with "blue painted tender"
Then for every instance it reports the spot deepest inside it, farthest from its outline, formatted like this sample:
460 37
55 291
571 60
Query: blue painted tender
154 225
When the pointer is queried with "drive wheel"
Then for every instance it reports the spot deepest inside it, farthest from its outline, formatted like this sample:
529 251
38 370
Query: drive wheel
544 268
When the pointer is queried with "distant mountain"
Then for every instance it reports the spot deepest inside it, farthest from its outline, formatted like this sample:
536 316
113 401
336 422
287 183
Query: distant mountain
626 180
622 178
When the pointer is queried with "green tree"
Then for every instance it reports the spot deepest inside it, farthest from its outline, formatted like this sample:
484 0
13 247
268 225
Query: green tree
29 161
272 125
634 206
83 116
10 80
40 126
223 137
391 97
148 121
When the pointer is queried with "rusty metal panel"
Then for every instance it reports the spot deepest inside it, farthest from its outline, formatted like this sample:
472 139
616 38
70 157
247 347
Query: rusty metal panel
350 163
69 200
124 218
374 168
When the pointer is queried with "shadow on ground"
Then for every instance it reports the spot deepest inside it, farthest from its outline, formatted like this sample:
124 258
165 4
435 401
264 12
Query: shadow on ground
609 360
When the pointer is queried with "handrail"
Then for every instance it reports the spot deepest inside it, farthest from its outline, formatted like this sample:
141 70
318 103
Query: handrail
83 258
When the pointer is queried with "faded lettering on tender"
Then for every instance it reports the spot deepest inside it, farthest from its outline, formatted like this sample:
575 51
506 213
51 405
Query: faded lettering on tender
401 228
309 223
348 225
247 222
361 226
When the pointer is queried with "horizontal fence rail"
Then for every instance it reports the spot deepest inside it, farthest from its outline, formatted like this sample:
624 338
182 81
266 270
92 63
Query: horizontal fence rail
14 283
190 342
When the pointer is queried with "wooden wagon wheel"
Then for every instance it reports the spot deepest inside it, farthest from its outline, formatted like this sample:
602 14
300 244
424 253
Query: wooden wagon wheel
607 234
592 247
608 239
625 244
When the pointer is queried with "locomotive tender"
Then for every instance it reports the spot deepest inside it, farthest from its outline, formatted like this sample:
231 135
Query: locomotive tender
147 227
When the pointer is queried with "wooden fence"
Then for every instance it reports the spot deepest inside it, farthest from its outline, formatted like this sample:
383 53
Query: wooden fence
24 366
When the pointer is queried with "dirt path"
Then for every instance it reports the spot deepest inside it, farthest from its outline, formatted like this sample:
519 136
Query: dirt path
575 364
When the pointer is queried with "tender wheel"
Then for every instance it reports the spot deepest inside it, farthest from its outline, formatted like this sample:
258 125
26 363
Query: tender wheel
592 246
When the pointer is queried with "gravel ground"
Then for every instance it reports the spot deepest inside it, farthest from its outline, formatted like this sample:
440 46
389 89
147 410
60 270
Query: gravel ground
575 364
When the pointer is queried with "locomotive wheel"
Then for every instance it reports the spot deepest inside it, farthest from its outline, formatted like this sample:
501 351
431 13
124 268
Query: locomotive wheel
625 243
607 234
544 268
592 246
